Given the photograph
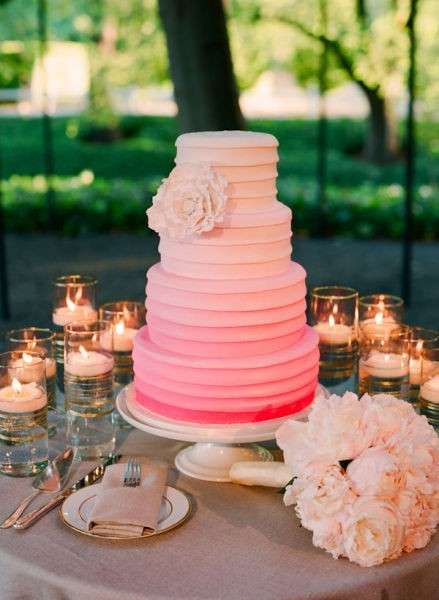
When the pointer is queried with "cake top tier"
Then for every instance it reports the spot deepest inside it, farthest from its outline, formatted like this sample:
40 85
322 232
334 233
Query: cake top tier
226 139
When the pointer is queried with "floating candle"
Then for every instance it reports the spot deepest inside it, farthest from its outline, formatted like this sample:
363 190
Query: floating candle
430 390
121 340
332 333
85 363
22 397
380 325
385 365
29 366
74 313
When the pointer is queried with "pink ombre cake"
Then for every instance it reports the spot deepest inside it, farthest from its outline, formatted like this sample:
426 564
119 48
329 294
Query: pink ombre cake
226 340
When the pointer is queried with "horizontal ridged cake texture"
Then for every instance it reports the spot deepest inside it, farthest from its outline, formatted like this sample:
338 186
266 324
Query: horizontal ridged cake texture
227 340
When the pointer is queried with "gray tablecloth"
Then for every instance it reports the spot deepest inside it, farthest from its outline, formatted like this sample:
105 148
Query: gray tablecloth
240 544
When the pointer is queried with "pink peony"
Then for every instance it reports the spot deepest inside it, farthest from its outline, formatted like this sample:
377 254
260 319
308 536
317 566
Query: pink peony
376 473
373 532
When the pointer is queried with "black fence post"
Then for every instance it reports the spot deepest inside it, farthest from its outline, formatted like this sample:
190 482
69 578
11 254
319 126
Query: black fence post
4 284
410 158
322 131
46 120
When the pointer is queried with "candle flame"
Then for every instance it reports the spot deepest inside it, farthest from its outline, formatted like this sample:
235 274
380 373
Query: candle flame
16 386
331 321
27 358
419 346
70 304
78 295
83 351
379 318
335 309
32 343
120 328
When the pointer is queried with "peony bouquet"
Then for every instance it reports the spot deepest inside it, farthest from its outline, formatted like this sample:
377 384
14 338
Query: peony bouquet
366 476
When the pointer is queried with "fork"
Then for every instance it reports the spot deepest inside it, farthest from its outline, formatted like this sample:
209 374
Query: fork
132 473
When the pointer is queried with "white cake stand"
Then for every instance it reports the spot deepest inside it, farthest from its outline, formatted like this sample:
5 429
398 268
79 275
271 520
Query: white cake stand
217 447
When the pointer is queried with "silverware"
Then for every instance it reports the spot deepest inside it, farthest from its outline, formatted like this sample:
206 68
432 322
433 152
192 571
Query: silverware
89 479
132 473
51 479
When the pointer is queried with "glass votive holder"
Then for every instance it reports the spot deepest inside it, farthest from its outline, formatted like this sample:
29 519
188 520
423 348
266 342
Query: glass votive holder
420 338
88 389
40 341
23 413
429 387
334 312
127 318
74 301
384 361
381 311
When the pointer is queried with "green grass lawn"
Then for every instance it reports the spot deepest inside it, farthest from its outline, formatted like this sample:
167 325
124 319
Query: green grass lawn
366 199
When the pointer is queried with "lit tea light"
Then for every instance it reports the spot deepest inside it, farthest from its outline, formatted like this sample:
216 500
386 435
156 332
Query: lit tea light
380 325
29 367
430 390
120 340
22 397
74 311
386 365
88 363
332 333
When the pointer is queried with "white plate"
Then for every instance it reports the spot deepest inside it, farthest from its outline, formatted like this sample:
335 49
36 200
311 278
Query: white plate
75 511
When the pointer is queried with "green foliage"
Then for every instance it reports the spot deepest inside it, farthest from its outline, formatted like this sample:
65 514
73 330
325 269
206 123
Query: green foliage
84 205
108 187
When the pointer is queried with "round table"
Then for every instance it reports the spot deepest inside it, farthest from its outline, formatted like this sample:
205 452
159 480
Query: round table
240 544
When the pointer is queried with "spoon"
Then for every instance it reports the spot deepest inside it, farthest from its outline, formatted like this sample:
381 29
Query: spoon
51 479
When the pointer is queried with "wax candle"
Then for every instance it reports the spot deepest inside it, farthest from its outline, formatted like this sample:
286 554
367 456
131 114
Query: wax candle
29 367
121 340
22 397
332 333
85 363
430 389
74 313
385 365
380 325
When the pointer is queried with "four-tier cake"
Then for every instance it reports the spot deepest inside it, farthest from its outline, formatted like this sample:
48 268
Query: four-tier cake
226 340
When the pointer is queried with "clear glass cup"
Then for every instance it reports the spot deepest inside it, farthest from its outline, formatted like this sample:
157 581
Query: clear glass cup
88 385
380 310
420 338
23 413
74 301
429 386
334 315
127 317
384 361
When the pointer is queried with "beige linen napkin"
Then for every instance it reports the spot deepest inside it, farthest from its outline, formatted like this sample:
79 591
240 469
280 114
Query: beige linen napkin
125 511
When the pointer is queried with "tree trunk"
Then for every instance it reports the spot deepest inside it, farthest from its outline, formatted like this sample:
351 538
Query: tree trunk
201 65
381 143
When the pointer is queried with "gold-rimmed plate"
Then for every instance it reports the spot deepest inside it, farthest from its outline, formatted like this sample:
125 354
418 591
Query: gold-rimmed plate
76 509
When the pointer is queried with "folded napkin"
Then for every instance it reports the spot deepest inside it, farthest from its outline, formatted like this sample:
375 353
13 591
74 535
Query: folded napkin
128 511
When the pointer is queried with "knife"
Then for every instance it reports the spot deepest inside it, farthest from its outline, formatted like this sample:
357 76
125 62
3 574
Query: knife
92 477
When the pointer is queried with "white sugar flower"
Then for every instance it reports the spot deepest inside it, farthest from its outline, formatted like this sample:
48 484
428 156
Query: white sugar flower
191 200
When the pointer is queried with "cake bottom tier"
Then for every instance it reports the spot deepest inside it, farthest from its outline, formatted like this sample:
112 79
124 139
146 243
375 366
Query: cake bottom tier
227 390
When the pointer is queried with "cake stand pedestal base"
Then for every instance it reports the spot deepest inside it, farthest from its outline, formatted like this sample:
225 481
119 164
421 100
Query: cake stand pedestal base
217 447
212 462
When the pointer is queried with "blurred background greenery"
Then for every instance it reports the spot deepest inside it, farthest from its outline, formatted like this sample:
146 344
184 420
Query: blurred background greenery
103 79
